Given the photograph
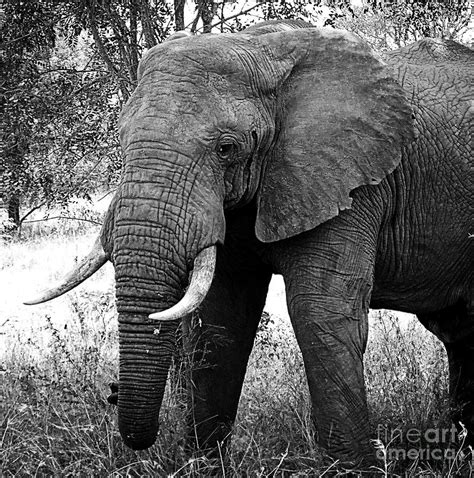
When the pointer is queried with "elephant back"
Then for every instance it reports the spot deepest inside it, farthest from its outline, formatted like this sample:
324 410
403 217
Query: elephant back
432 51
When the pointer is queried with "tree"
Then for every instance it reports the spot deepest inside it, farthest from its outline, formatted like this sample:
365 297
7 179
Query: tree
395 23
62 89
410 20
27 33
123 30
74 146
179 14
59 108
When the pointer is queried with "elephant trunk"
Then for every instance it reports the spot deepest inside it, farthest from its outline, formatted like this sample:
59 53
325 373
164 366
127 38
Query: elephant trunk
144 283
151 274
145 356
146 348
162 220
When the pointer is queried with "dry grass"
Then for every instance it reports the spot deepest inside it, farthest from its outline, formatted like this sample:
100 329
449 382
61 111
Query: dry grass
57 360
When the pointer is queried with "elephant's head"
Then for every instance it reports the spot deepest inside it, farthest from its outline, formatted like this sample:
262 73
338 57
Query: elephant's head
291 121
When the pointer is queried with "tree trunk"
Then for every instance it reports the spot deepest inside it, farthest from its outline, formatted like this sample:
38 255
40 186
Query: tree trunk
207 9
179 14
14 209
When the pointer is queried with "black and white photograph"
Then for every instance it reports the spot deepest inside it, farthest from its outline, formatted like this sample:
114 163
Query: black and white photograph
237 238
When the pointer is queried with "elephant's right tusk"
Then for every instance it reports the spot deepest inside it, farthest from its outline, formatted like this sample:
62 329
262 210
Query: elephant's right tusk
88 266
200 283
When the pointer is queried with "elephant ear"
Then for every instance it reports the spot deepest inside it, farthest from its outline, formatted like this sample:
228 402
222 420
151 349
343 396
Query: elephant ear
341 121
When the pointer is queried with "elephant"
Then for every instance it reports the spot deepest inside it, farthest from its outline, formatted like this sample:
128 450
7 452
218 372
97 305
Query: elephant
293 150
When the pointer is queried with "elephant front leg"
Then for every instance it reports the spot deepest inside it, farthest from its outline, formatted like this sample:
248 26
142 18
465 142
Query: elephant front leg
328 275
221 345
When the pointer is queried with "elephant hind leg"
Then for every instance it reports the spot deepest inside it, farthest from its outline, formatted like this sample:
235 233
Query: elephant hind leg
454 326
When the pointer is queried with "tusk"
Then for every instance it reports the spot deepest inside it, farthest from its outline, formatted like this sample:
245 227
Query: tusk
199 285
88 266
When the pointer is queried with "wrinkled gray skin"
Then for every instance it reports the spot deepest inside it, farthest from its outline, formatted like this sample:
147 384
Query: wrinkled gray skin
297 152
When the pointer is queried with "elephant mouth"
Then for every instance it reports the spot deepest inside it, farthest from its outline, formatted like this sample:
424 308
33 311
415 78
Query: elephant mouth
199 284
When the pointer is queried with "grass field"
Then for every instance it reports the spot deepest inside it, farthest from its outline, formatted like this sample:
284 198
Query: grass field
58 359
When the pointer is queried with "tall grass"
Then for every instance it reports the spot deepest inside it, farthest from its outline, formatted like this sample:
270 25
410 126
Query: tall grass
58 359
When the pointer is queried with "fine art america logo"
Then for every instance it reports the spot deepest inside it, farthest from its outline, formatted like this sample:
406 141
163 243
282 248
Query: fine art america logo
413 444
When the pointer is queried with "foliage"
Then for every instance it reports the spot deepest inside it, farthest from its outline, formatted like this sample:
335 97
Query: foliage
290 9
27 33
58 360
390 25
121 31
70 157
407 386
56 383
411 20
76 218
67 67
60 108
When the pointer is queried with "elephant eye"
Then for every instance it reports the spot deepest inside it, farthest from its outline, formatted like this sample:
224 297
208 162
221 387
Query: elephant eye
225 150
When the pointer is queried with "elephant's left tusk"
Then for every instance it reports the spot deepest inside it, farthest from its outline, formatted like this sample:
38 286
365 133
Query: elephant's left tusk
96 258
200 283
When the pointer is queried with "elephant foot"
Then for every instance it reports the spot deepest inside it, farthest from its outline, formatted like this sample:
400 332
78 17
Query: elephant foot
113 397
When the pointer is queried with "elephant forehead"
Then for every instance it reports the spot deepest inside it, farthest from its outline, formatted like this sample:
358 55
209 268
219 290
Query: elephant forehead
190 101
206 57
197 114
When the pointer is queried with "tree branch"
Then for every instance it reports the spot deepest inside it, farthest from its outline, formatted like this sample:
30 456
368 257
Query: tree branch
100 45
64 217
242 12
31 211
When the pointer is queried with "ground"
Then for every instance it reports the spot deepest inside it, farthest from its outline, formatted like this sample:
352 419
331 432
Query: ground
57 359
